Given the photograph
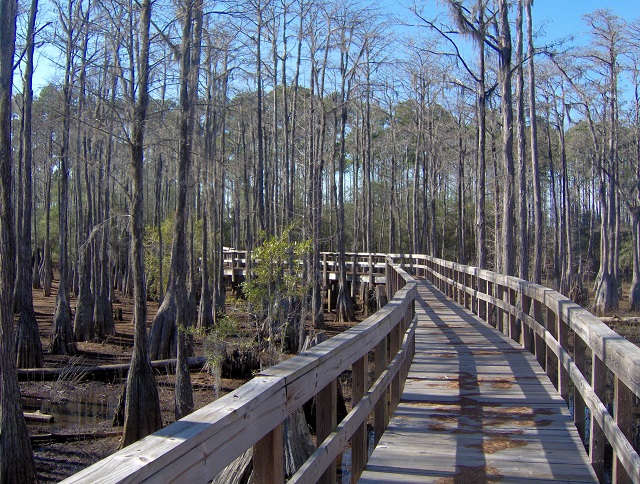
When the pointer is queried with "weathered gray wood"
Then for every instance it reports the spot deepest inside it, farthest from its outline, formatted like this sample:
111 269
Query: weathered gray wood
325 423
359 383
338 439
469 414
623 411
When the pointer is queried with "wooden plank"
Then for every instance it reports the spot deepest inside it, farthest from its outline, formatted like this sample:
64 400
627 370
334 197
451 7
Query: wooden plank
475 402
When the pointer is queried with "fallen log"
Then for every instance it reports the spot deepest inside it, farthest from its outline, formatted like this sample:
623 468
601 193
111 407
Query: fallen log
38 417
59 438
100 372
619 320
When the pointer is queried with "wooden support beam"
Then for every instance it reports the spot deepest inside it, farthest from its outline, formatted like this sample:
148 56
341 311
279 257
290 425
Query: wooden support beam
381 411
579 349
623 414
359 384
596 435
268 458
326 421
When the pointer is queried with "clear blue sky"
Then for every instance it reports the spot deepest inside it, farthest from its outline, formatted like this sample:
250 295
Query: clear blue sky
560 18
555 18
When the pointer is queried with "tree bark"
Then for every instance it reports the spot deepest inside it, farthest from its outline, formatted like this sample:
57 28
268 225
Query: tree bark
142 407
507 242
28 344
535 169
62 338
16 457
523 213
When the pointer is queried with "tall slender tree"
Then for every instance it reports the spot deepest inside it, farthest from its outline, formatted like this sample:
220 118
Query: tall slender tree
142 407
16 457
28 344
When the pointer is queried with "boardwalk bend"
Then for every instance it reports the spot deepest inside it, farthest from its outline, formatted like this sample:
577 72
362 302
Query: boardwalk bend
476 377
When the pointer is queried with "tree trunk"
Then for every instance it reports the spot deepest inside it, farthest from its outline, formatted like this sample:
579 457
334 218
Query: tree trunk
507 242
62 339
535 170
103 309
16 457
28 344
142 407
523 213
47 271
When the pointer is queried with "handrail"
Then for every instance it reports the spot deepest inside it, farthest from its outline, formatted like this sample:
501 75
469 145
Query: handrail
199 446
564 337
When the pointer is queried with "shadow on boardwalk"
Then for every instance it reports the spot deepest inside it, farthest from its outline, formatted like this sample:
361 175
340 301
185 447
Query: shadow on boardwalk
476 408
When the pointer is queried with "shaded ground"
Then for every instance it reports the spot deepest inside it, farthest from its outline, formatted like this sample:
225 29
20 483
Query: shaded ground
83 409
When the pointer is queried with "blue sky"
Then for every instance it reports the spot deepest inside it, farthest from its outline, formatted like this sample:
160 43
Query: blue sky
558 18
555 18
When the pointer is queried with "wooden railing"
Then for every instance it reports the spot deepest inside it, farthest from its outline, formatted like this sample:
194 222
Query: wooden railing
596 371
196 448
359 267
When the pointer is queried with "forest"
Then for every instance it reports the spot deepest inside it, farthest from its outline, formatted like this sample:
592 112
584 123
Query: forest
166 132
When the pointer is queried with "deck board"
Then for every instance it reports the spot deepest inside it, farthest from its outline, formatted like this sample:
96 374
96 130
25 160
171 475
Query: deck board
476 408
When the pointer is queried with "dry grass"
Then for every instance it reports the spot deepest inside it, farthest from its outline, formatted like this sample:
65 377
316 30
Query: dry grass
472 475
497 443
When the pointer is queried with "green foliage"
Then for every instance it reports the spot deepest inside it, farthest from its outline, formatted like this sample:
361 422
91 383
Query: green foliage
216 340
152 255
276 281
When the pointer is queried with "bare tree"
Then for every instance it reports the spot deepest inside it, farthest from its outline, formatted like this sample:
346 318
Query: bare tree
535 169
71 17
28 345
142 407
16 457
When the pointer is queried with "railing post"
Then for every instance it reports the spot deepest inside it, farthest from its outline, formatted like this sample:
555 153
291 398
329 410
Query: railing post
563 374
482 304
474 297
527 331
490 319
552 360
500 311
452 286
514 332
359 377
579 348
381 409
623 414
395 341
540 346
326 421
596 435
268 458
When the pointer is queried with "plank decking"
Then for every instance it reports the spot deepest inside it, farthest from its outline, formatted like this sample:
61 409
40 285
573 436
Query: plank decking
476 407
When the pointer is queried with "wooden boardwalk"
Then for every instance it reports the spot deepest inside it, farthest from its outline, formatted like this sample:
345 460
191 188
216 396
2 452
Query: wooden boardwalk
476 408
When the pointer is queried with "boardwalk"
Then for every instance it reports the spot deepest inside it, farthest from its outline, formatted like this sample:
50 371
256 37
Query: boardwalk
476 408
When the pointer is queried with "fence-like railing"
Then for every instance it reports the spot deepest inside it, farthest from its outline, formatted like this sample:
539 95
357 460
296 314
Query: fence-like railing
199 446
596 371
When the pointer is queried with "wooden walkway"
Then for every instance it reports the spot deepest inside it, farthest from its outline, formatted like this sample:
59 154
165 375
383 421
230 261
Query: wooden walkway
476 408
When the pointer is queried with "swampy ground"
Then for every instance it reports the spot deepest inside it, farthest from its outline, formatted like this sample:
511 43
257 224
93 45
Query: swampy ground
82 431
